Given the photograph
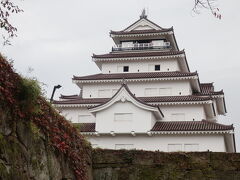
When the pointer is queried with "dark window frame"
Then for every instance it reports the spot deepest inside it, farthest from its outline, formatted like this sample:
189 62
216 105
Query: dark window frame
125 68
157 67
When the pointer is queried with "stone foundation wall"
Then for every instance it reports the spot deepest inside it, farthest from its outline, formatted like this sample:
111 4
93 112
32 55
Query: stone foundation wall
25 153
146 165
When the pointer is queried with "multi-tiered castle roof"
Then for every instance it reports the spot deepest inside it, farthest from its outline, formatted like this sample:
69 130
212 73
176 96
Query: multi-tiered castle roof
146 69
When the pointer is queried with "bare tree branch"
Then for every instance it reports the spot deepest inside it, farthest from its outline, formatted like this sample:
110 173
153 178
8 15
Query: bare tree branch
6 9
207 4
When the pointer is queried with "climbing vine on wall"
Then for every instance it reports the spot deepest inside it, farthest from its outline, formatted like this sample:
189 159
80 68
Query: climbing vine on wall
22 96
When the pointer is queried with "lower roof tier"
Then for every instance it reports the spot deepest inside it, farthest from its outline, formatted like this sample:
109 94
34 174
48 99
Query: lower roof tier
80 100
120 76
140 54
172 126
207 89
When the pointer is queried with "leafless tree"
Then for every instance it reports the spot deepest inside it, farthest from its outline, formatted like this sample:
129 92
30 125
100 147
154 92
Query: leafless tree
6 9
207 4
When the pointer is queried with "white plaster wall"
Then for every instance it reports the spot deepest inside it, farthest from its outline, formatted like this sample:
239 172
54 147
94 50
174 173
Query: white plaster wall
142 66
72 114
141 119
180 87
191 112
142 24
177 87
216 109
91 90
213 143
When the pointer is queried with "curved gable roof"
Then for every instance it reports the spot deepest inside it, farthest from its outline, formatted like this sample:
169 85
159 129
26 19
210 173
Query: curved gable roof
146 21
124 94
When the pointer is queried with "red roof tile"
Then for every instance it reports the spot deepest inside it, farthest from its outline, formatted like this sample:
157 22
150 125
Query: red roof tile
208 89
86 127
210 93
173 126
190 126
80 100
135 75
139 54
175 98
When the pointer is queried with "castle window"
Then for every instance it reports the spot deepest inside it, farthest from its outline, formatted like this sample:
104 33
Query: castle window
104 93
123 116
125 68
165 91
157 67
178 116
151 91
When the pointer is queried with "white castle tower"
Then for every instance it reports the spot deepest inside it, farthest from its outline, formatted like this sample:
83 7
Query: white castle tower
147 98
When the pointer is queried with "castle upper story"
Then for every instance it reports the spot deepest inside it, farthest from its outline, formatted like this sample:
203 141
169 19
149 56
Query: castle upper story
143 35
143 47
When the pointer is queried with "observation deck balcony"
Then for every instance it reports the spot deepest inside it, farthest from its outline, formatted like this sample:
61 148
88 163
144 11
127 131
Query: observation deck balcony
141 46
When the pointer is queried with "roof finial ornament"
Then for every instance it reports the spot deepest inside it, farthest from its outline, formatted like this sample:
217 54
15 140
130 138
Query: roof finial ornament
143 15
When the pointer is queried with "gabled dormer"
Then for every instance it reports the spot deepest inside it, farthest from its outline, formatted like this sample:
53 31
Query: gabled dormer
144 35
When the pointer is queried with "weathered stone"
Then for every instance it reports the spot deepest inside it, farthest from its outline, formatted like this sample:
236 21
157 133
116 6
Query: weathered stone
147 165
25 156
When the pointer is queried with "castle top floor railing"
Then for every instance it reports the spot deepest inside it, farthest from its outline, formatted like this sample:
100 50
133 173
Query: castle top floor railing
140 46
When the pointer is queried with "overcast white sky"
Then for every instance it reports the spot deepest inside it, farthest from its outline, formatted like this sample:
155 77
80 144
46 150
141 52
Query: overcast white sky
57 38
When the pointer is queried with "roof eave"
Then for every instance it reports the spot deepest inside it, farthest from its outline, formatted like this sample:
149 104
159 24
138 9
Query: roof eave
190 77
194 132
98 59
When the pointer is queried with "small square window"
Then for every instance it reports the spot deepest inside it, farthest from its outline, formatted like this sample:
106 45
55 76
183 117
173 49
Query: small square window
125 68
157 67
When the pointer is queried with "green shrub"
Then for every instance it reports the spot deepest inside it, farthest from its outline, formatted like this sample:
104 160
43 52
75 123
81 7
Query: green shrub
29 91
